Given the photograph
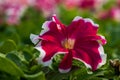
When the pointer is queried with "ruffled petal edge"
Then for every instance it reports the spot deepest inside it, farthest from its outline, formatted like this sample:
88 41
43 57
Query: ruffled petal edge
34 38
42 55
102 55
86 20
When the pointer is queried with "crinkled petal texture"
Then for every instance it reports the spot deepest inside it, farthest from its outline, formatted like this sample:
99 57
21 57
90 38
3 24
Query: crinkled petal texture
81 34
51 37
87 48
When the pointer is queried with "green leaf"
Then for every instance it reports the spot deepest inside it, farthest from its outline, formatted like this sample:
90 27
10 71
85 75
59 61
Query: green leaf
17 61
84 74
9 67
8 46
15 37
57 76
5 76
28 56
38 76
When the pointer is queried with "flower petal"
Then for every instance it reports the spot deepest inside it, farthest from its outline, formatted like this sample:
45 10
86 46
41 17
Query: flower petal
90 53
66 63
51 33
83 39
60 26
102 55
45 27
102 39
34 38
82 27
48 51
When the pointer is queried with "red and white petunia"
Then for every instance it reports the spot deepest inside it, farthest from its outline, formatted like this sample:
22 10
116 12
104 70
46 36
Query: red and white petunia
77 41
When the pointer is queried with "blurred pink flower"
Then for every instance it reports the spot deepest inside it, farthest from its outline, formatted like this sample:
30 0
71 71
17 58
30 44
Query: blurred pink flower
91 4
14 9
69 4
77 41
48 7
84 4
112 13
118 2
115 13
102 15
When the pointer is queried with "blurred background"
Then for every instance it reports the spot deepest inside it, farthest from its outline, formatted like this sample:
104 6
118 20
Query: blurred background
20 18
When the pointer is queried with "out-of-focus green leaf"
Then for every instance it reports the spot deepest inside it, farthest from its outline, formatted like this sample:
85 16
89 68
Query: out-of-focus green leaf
57 76
37 76
8 46
36 69
15 37
9 67
28 56
83 74
5 76
17 61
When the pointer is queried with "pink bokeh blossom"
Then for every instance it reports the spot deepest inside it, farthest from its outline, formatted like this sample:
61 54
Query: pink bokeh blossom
48 7
14 9
113 13
84 4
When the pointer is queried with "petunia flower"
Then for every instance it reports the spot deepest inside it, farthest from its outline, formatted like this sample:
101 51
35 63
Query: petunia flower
69 4
84 4
14 9
77 41
47 7
91 4
115 13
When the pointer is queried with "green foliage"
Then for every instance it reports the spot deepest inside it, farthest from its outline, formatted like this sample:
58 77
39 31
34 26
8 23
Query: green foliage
18 56
37 76
9 67
8 46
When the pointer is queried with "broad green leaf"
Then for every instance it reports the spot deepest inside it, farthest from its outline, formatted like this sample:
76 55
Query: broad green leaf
5 76
9 67
57 76
37 76
8 46
15 37
28 56
17 61
35 68
83 74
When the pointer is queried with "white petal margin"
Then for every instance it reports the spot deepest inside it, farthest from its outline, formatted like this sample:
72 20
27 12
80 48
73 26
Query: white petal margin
34 38
89 20
54 20
87 65
45 27
103 40
42 55
77 18
102 55
86 20
54 15
64 70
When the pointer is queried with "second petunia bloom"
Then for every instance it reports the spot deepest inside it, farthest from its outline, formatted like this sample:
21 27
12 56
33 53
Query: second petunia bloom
77 41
